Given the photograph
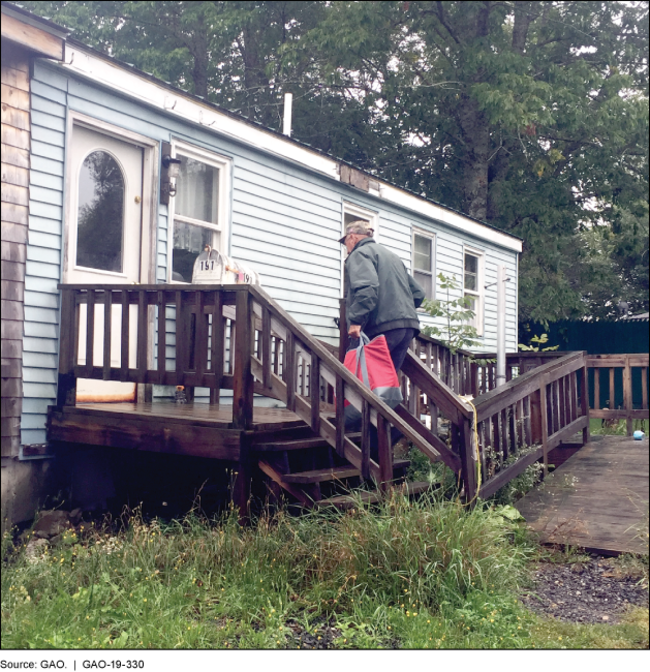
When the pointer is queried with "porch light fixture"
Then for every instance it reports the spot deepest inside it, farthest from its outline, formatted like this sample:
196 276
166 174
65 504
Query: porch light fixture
170 170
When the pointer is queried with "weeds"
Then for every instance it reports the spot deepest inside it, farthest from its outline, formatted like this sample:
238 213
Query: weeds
403 574
614 427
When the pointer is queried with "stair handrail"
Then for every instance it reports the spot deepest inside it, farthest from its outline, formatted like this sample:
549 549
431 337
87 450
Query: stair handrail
355 385
493 406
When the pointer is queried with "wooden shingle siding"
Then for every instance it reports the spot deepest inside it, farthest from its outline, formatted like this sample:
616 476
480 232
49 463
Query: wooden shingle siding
15 199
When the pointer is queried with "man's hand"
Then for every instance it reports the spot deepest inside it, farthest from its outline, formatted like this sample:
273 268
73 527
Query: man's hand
354 331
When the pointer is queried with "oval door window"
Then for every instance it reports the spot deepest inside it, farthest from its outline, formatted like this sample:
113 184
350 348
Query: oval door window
100 214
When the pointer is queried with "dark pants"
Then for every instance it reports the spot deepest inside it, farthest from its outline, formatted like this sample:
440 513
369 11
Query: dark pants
398 341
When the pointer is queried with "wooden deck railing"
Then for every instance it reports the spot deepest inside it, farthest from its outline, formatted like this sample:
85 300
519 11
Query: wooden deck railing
630 366
522 420
228 337
311 375
236 337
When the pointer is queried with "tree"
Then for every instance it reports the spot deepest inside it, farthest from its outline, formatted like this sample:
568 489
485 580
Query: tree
532 116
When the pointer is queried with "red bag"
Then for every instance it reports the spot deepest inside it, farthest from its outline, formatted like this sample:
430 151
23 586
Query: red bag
372 364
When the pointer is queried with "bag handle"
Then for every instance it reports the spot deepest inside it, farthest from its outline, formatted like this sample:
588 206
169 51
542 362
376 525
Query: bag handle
361 360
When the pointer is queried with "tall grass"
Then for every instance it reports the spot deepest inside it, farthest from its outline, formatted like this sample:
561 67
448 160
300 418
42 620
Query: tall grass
411 574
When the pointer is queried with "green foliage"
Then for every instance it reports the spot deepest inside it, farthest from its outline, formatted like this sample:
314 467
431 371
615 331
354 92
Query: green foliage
519 486
403 574
532 116
539 340
613 427
457 314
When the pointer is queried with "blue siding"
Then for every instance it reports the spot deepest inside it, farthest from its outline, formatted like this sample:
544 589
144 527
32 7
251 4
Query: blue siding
43 267
285 222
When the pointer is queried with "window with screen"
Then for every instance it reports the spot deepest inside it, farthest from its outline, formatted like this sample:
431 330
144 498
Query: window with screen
423 262
199 212
472 287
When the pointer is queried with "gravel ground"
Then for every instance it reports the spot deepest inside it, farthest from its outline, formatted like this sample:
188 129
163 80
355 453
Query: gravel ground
585 592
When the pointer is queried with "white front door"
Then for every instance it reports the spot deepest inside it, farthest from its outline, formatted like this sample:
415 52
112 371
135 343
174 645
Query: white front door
104 241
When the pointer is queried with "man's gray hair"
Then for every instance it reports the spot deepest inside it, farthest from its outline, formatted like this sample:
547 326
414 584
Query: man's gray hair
360 227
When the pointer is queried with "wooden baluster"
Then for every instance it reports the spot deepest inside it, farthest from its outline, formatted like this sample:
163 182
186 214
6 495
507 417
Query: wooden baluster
555 407
512 422
343 331
535 414
565 408
528 428
289 371
125 335
484 442
181 343
190 318
433 412
162 336
108 315
584 401
572 393
412 398
543 407
644 387
468 463
520 420
201 348
242 413
143 336
266 347
612 388
505 427
496 433
90 332
385 453
340 416
365 439
66 392
277 353
303 376
597 404
627 395
474 389
314 392
217 345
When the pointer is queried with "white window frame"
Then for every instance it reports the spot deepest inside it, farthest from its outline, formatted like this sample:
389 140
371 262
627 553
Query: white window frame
222 226
479 294
432 237
360 213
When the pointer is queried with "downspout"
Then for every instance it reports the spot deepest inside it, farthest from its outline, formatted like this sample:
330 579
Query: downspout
501 325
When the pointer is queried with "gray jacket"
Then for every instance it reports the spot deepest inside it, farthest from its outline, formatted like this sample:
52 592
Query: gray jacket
379 293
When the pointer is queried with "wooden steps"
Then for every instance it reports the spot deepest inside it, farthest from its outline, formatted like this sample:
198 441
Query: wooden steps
349 501
301 464
296 444
333 474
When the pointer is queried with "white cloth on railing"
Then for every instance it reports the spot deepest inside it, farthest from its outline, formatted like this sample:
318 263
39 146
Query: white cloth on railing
212 267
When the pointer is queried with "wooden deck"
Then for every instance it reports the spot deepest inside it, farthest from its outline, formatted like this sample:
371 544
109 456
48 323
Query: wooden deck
597 499
197 429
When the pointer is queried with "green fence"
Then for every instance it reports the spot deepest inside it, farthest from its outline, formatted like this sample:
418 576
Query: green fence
598 338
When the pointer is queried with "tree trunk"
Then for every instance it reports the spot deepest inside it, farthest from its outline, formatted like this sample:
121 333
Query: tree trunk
476 137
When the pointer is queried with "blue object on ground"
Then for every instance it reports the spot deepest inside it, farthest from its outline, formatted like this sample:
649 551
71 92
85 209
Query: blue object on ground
638 435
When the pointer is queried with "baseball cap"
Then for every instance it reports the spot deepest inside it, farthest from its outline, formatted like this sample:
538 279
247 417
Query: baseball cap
358 226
